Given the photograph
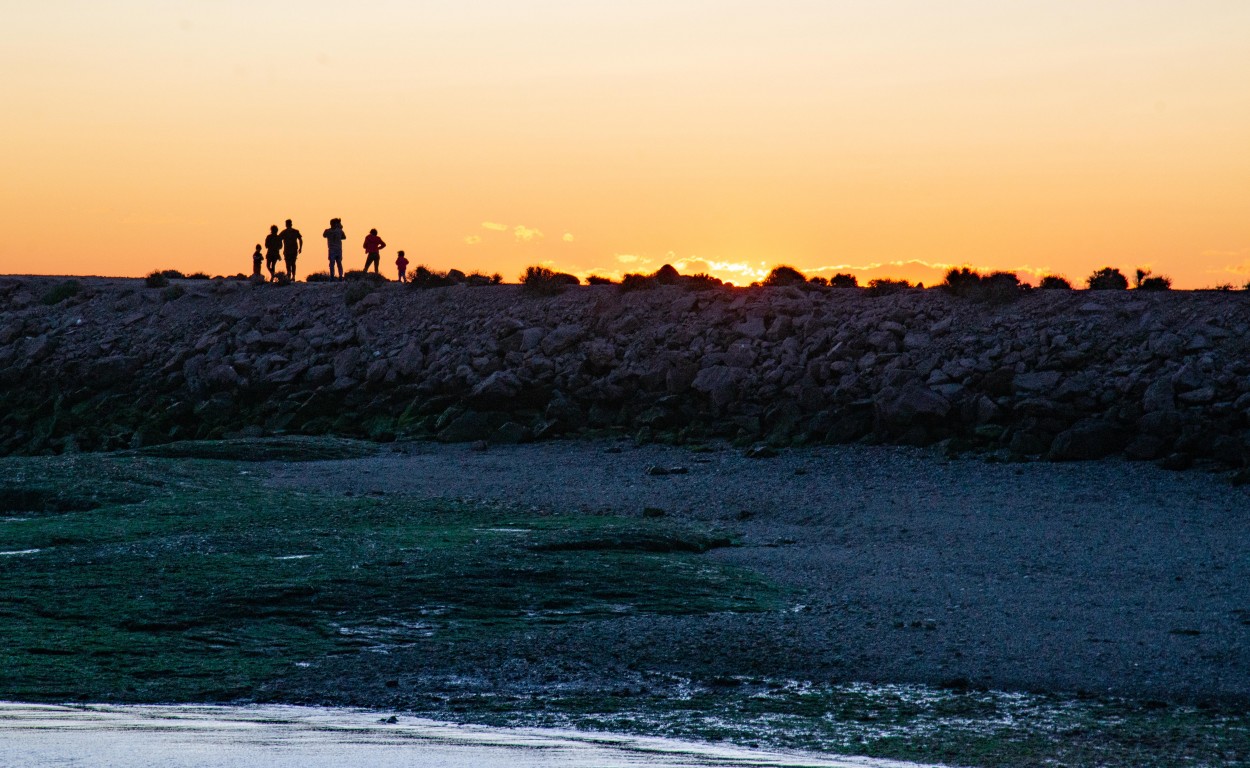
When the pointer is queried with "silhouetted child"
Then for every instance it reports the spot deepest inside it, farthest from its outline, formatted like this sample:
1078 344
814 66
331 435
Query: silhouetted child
257 259
401 263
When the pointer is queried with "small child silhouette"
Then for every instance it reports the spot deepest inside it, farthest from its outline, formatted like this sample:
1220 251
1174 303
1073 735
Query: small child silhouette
401 263
257 259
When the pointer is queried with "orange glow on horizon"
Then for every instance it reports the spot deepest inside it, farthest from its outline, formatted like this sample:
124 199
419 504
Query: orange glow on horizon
897 139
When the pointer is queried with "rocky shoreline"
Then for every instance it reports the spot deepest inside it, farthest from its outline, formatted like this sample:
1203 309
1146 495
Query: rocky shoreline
103 364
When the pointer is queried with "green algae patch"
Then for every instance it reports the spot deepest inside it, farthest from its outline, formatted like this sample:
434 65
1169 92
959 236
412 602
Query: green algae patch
163 579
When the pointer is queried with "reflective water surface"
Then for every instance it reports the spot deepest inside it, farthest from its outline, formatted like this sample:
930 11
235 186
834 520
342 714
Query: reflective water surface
105 736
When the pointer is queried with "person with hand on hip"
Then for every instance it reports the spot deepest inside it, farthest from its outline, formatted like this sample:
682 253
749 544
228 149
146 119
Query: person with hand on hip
373 244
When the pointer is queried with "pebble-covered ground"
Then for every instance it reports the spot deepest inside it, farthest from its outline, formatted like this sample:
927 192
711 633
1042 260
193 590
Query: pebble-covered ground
1096 577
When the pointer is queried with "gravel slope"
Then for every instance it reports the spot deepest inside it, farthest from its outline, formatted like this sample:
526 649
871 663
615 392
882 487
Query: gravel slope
1101 577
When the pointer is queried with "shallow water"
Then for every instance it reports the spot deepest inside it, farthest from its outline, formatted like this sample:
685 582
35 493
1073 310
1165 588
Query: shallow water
104 736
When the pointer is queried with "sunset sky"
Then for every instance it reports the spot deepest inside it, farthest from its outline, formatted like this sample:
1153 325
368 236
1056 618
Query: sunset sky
884 138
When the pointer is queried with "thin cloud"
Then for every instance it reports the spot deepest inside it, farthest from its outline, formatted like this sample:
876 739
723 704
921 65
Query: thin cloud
494 226
568 237
525 234
626 258
473 239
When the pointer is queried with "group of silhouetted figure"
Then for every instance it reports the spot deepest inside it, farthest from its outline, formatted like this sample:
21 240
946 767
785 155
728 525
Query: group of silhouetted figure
288 244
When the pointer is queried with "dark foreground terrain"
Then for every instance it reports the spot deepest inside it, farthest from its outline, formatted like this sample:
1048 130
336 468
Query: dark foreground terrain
860 600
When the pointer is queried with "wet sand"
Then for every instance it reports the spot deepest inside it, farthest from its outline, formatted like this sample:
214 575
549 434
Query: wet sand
305 737
1099 577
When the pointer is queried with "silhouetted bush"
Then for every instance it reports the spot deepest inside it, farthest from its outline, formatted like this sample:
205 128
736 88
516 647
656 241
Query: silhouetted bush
995 288
156 280
961 282
784 275
541 281
882 286
424 277
702 282
636 282
843 280
1107 279
60 292
598 280
197 276
319 277
1142 281
666 275
477 279
818 280
358 275
172 274
1054 283
1002 287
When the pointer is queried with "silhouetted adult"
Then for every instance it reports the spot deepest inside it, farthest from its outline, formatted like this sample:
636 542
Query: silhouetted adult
334 241
273 251
373 244
292 246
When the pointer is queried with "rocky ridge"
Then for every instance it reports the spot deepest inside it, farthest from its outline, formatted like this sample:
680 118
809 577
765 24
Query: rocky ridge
1056 374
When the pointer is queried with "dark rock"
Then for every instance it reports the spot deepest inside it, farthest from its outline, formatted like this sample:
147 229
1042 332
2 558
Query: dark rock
1229 450
719 383
497 391
653 512
510 433
1161 424
564 411
1146 448
1094 439
911 405
1029 443
760 452
1038 381
1159 396
465 428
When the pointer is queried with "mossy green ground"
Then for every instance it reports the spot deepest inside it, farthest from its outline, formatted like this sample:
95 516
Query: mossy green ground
188 580
177 575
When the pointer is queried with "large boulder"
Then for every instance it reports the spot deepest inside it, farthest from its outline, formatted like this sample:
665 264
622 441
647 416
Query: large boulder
719 383
497 391
1091 439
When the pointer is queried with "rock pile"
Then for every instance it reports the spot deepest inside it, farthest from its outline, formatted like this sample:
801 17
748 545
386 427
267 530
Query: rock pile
1056 374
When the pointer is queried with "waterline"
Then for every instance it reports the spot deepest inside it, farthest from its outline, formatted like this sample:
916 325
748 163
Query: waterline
144 736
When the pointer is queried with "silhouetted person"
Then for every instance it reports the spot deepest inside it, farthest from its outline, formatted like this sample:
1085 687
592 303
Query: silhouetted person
334 241
401 264
257 258
292 246
373 244
273 251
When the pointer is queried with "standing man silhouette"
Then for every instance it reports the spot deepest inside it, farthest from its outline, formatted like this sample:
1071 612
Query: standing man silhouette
334 241
273 251
292 246
373 244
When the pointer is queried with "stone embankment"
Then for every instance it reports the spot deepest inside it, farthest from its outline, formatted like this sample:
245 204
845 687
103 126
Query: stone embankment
1056 374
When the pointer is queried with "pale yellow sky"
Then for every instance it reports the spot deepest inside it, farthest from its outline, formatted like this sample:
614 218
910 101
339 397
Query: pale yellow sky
890 138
